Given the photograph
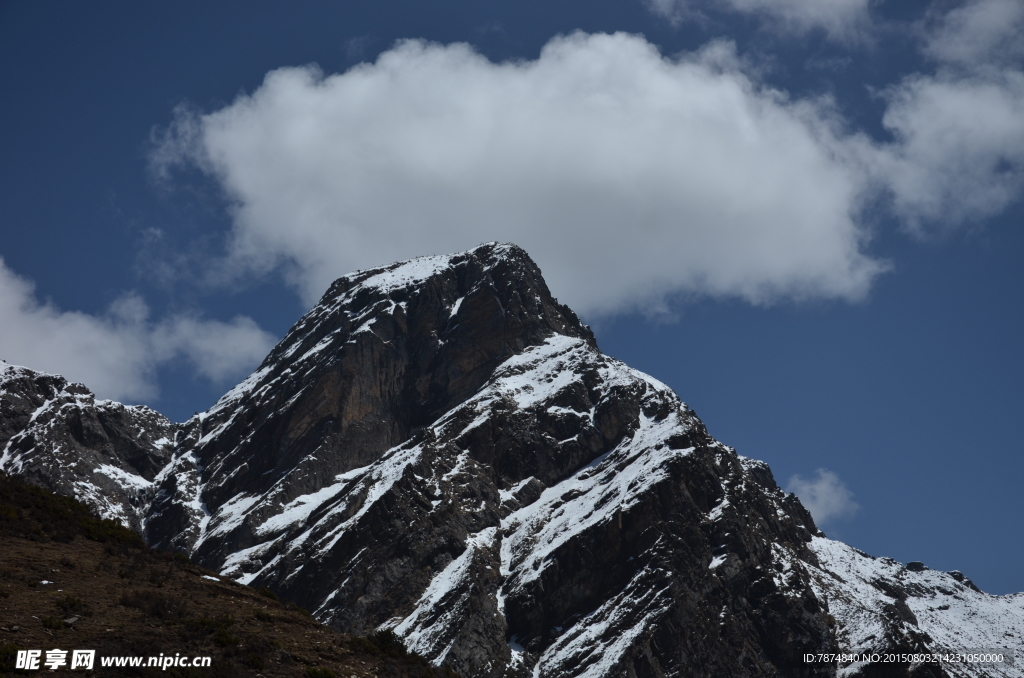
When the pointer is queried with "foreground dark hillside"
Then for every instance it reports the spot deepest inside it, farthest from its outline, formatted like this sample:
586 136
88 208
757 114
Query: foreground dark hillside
71 581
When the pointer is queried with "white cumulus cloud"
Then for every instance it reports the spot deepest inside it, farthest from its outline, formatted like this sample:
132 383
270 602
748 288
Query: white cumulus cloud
959 150
824 495
629 176
117 354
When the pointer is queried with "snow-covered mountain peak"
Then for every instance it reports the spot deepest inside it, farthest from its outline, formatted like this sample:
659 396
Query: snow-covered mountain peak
439 448
384 353
412 273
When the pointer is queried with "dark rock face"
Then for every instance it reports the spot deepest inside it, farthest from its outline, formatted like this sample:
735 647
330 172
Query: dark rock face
384 354
439 448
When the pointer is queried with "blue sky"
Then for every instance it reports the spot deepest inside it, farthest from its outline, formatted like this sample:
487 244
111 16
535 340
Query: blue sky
804 216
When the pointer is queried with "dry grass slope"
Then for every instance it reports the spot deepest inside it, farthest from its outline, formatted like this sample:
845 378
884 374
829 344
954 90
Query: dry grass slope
71 581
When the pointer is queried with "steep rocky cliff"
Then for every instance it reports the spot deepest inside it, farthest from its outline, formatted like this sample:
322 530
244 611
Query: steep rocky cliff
439 448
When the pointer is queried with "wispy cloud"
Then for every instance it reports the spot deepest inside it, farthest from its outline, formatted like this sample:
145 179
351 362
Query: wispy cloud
116 354
959 150
842 20
824 495
978 34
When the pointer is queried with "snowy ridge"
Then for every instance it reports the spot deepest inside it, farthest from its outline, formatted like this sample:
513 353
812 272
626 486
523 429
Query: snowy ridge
606 486
63 441
10 373
597 493
424 631
594 647
945 606
339 507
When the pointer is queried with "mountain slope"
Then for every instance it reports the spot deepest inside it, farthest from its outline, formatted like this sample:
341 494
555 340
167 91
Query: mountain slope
439 448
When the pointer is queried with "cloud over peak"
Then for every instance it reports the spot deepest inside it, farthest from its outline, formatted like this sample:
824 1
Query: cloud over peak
629 176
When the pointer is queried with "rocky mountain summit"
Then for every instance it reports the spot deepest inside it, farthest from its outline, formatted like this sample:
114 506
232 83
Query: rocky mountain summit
439 448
